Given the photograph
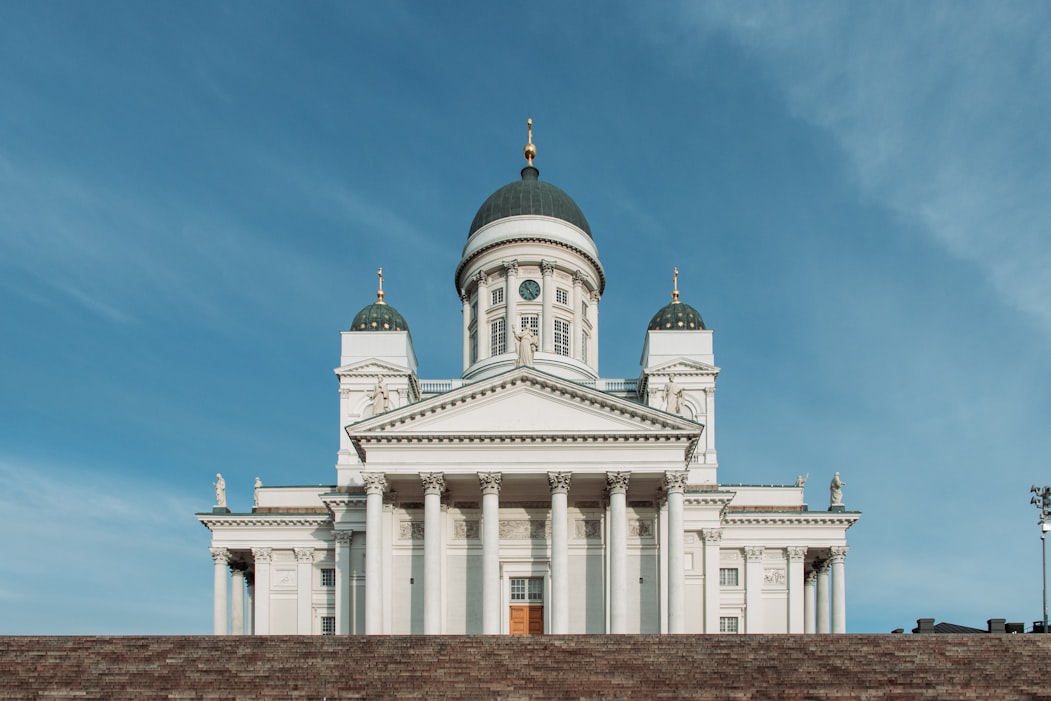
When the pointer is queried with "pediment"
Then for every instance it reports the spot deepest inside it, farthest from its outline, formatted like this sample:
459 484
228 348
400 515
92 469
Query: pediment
370 367
683 366
524 402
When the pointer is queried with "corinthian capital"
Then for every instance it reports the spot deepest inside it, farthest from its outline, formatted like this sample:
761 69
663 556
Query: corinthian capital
617 482
375 482
711 535
490 482
304 554
433 482
261 554
547 268
837 553
343 537
675 482
559 482
579 278
795 553
511 267
220 556
753 553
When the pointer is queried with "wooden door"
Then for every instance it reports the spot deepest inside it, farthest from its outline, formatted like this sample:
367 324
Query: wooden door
526 620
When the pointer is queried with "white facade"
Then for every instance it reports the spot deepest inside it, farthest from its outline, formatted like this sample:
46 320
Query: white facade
529 495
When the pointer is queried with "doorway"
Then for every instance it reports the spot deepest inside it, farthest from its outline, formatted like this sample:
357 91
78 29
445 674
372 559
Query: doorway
526 614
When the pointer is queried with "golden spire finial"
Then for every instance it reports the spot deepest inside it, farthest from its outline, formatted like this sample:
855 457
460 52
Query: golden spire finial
379 292
530 149
675 286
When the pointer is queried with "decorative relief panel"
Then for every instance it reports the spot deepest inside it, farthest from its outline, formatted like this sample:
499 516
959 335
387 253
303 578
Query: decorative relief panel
588 528
411 530
774 577
524 530
465 530
284 578
640 528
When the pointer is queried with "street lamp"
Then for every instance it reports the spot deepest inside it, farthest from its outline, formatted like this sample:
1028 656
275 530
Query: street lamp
1042 500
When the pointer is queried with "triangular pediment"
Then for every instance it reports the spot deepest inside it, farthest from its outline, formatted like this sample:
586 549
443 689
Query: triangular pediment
370 367
683 366
524 402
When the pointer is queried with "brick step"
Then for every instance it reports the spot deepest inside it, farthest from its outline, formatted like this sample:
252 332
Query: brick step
598 667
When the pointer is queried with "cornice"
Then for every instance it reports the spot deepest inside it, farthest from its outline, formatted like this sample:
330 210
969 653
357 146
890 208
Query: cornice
264 520
532 239
805 518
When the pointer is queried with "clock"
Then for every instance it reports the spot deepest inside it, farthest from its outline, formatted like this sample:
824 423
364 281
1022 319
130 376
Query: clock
529 290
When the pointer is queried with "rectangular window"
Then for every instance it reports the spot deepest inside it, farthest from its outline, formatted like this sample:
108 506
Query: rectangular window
498 296
531 322
584 351
728 577
474 310
530 589
728 624
561 337
497 338
328 577
328 625
473 350
562 296
583 310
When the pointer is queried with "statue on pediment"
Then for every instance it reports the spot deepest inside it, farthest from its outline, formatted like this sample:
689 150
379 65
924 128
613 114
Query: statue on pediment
380 397
220 490
835 490
673 397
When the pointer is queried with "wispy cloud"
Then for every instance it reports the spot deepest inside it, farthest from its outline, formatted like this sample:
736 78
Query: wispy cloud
940 108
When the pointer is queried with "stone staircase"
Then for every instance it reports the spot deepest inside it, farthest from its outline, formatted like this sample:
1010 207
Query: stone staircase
798 668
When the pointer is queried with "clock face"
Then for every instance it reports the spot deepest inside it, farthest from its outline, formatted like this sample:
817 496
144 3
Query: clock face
530 290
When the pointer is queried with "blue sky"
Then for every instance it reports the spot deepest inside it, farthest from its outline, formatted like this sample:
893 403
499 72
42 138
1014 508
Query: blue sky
194 198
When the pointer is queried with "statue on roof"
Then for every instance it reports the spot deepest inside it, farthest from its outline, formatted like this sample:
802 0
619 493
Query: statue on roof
525 342
380 397
255 493
673 397
836 491
220 490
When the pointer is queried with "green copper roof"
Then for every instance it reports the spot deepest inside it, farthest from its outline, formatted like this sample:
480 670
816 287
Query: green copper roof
379 316
677 316
529 196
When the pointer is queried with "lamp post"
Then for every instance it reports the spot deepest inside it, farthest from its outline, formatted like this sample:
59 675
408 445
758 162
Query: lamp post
1042 500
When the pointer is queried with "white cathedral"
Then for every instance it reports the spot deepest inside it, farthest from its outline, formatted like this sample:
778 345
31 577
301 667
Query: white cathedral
529 495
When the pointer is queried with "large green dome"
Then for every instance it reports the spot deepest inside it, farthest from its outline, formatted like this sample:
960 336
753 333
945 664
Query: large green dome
529 196
379 316
677 316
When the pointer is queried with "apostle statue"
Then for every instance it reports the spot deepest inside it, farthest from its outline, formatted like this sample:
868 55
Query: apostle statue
801 479
380 397
220 490
255 493
835 490
525 341
672 397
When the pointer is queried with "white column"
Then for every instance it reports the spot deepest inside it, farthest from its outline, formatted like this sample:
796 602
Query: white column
221 557
559 484
712 539
839 589
262 590
617 484
675 486
482 282
510 300
343 606
822 598
547 322
709 425
490 484
466 299
250 603
578 317
237 600
796 597
595 297
753 589
304 588
810 603
433 486
375 485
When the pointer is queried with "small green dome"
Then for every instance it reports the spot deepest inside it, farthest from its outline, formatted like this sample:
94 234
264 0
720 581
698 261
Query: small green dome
379 316
529 196
677 316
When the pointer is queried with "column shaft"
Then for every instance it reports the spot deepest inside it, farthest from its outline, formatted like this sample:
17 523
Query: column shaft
839 590
675 485
250 604
433 486
822 598
753 593
617 483
466 299
578 317
547 323
220 556
262 590
712 539
796 596
304 589
343 584
510 299
375 485
559 483
490 484
810 603
483 318
237 601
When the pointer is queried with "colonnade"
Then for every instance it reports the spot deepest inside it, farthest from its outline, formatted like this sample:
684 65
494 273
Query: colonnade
825 594
433 484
